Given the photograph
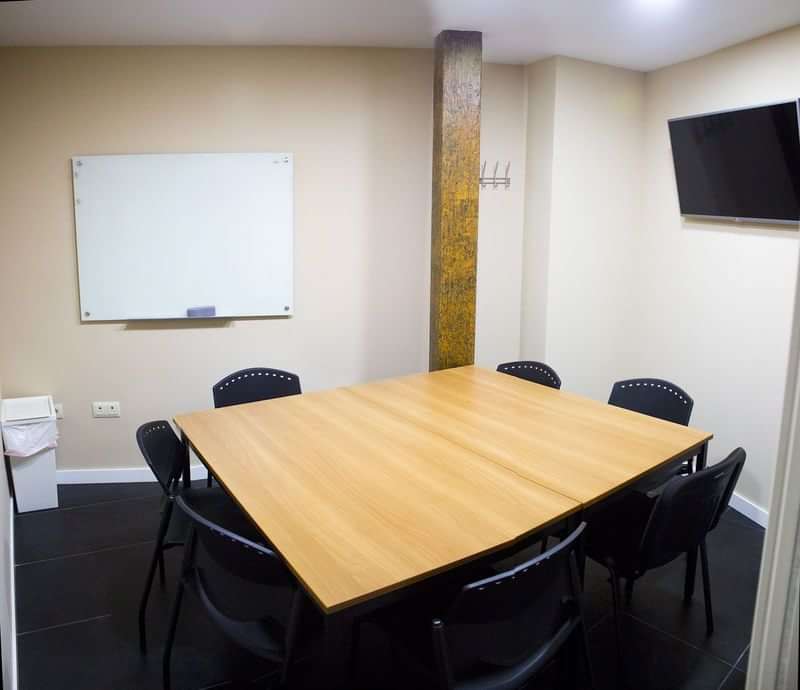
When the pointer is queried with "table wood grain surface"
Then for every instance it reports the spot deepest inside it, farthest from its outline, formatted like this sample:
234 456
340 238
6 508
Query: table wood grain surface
360 501
576 446
367 489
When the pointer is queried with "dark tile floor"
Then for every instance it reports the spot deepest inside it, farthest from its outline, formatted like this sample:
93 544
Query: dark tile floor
80 571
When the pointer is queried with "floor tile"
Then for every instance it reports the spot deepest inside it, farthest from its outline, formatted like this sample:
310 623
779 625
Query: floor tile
92 585
55 533
735 681
72 495
734 562
735 517
742 663
101 654
83 568
653 660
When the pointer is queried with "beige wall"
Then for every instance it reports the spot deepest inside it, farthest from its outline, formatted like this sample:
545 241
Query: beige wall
717 298
617 285
585 124
540 94
501 212
359 122
595 212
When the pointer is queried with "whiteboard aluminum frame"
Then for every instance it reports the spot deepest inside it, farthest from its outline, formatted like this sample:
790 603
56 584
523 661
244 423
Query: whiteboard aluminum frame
284 310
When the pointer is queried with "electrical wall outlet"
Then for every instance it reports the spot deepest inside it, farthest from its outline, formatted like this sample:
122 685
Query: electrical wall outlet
105 409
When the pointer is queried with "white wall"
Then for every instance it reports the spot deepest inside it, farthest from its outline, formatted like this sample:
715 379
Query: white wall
595 213
582 214
716 297
540 94
500 217
627 287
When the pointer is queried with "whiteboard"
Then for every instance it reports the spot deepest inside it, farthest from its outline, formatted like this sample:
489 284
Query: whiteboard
158 235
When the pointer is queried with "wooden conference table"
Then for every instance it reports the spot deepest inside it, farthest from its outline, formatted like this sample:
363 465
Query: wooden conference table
369 489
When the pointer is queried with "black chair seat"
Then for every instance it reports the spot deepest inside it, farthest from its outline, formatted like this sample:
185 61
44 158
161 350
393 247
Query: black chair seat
165 455
263 637
219 560
640 532
615 534
221 509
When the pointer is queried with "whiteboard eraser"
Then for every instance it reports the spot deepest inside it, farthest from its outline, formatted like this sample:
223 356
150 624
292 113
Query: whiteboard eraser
199 312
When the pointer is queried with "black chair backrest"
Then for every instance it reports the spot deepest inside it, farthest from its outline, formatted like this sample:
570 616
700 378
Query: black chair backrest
230 551
687 509
501 630
653 397
163 452
251 385
538 372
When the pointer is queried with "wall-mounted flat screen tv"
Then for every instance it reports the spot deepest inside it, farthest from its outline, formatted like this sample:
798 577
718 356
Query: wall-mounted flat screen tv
739 164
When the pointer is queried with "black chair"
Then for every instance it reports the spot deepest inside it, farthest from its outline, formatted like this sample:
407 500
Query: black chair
252 385
647 531
653 397
500 631
234 556
164 454
537 372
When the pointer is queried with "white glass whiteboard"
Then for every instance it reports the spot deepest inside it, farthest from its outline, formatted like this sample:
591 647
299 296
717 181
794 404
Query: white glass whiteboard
160 235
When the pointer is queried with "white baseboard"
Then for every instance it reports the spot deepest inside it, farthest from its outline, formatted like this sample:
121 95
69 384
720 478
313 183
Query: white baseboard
749 509
116 475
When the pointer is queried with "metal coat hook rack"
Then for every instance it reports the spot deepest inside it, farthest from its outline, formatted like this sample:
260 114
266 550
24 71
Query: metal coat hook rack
494 180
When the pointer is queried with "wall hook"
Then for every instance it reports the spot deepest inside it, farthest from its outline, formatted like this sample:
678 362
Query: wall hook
494 180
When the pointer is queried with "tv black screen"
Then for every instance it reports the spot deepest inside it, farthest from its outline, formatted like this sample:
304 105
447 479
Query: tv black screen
739 164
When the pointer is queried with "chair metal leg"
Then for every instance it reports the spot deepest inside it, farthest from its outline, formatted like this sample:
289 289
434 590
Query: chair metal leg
162 578
148 584
173 624
571 660
706 589
629 582
587 659
691 576
691 557
209 480
615 602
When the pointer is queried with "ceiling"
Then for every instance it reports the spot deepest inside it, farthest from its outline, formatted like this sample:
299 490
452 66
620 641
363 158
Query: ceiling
638 34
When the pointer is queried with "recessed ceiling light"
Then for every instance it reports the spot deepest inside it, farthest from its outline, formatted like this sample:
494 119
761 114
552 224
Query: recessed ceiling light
658 4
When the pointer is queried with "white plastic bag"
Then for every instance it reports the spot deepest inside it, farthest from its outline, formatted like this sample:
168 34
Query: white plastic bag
24 440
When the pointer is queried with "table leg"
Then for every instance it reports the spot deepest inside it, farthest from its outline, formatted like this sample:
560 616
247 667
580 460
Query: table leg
691 556
186 472
702 458
338 651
